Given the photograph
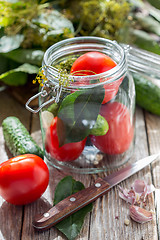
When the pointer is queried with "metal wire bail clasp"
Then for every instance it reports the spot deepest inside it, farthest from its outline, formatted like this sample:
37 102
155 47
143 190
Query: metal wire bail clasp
56 90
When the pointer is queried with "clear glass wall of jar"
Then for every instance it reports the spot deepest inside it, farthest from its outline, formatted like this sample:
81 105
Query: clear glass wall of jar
89 127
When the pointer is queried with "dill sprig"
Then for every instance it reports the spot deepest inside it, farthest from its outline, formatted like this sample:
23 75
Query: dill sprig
62 77
40 78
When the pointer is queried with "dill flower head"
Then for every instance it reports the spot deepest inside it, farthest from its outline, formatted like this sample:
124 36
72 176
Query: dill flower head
62 77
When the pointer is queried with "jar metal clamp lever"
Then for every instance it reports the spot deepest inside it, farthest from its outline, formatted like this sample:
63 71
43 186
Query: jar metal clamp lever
142 61
55 90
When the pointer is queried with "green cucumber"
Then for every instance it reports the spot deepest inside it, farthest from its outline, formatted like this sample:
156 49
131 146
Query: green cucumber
100 128
18 139
147 94
53 109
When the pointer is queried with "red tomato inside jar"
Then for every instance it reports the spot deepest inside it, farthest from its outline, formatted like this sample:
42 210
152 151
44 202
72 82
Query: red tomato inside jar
95 63
120 134
66 153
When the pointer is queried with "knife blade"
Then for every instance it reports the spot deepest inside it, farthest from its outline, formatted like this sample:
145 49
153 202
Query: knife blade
82 198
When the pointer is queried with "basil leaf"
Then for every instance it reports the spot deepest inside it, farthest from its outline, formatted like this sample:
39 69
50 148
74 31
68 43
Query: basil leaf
72 225
79 112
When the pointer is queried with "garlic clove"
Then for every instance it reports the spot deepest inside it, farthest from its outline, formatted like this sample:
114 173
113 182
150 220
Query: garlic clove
139 214
139 186
128 195
143 189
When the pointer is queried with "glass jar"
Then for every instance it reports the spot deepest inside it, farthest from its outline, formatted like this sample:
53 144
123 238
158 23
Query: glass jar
87 121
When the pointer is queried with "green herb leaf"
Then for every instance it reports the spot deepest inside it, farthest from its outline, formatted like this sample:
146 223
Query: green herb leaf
53 20
31 56
27 68
18 76
155 3
79 112
9 43
14 79
4 64
72 225
52 27
1 31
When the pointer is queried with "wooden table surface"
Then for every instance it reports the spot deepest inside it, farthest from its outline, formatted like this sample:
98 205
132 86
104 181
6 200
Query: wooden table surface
101 223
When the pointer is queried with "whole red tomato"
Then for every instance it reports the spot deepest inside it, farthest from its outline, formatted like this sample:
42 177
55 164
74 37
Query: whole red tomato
23 179
68 152
92 63
95 62
120 134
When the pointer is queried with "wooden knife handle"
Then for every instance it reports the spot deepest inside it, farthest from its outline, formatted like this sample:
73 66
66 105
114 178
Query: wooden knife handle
70 205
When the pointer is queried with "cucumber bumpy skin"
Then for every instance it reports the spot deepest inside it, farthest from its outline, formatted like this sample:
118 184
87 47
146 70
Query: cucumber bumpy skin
18 139
147 94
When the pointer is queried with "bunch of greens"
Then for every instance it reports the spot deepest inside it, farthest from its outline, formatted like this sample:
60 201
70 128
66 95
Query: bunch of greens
27 28
129 21
108 19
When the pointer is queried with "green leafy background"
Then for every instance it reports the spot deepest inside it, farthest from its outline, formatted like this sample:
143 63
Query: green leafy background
28 28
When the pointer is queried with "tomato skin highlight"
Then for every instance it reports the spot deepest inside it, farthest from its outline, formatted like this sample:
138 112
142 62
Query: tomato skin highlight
96 63
120 134
68 152
23 179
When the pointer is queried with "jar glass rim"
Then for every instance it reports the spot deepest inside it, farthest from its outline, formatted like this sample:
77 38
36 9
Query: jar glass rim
121 65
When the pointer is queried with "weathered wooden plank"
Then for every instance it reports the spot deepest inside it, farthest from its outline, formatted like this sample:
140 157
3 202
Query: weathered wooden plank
109 213
10 107
46 201
153 130
10 215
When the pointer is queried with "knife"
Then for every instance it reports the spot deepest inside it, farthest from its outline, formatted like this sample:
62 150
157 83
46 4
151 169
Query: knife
82 198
